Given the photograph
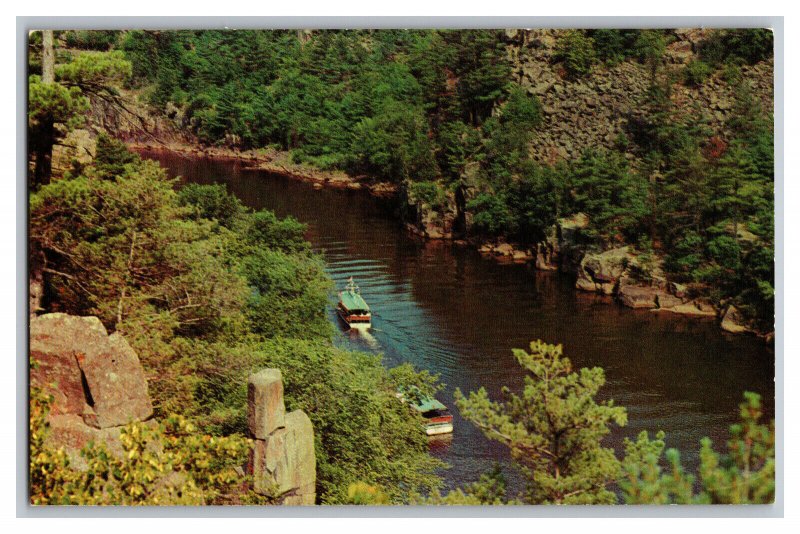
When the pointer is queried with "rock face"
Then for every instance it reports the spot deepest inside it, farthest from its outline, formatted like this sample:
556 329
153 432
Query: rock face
601 272
593 112
634 296
282 461
96 380
734 322
265 408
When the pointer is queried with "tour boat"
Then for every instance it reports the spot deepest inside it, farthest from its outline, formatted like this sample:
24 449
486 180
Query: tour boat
352 308
438 419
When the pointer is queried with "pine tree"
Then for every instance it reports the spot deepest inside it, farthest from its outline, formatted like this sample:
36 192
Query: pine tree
553 428
745 475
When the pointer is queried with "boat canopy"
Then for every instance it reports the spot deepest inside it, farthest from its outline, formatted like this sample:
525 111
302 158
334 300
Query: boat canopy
427 404
353 301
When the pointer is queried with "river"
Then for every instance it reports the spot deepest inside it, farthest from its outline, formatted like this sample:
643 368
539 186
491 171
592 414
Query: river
446 309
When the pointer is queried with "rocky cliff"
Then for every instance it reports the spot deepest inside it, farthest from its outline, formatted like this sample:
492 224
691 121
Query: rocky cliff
592 112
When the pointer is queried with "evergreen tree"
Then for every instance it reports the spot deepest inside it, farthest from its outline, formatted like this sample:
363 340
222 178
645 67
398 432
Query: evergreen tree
743 475
553 428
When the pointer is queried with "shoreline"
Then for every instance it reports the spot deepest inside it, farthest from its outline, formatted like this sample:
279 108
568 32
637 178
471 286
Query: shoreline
276 162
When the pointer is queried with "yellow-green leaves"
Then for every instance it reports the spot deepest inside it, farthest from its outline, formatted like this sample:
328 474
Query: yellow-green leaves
162 464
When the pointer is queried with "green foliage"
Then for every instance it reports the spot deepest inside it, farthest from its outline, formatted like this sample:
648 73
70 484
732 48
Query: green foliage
645 482
122 250
112 157
575 50
53 103
650 46
614 46
289 292
491 215
264 229
696 72
744 475
364 494
534 200
553 428
213 202
610 193
101 40
168 464
207 292
429 193
745 45
95 71
478 58
394 144
490 489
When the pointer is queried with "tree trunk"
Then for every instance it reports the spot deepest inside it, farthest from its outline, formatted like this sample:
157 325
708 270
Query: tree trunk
45 138
48 57
44 154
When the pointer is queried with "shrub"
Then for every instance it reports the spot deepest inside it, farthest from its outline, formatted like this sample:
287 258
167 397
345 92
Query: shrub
576 51
430 193
745 45
613 46
212 202
696 73
491 216
172 464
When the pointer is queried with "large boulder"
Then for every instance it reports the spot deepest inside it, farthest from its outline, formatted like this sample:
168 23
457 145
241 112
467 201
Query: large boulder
117 383
89 373
601 271
734 322
695 308
284 463
666 301
56 340
634 296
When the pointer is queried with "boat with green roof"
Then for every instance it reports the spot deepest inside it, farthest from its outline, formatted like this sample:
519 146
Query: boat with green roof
438 419
352 308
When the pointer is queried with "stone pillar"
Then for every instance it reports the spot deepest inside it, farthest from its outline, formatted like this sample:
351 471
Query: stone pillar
282 461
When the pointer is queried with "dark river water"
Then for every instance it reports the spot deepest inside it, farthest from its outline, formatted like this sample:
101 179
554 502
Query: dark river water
446 309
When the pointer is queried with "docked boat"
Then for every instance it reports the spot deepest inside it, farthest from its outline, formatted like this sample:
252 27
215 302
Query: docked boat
352 308
438 419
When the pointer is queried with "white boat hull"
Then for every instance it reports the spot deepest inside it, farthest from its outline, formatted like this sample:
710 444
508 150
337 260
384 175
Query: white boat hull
435 430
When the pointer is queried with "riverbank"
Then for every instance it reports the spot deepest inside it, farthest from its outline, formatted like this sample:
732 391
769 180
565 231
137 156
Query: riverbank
616 273
276 162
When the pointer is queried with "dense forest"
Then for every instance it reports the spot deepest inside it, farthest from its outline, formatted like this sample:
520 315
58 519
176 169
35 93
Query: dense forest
420 108
202 286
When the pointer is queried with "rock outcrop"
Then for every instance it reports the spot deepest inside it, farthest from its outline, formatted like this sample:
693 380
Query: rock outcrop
282 461
96 381
734 322
593 112
601 272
